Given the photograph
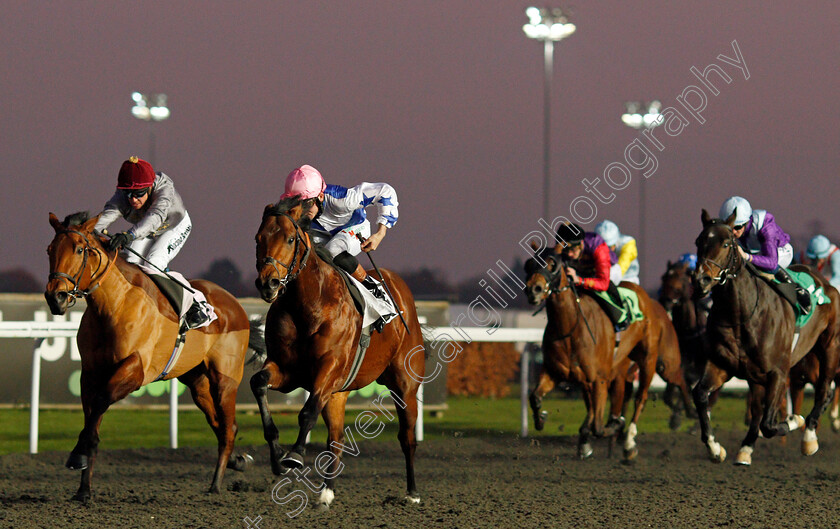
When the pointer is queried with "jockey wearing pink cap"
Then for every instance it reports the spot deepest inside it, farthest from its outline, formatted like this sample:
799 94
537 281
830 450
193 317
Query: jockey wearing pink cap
339 218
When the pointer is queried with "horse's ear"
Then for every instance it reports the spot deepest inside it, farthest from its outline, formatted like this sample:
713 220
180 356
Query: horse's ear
670 264
55 223
731 218
89 224
705 218
535 245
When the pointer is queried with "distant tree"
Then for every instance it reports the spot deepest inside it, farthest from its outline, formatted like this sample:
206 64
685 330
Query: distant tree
427 283
19 280
224 273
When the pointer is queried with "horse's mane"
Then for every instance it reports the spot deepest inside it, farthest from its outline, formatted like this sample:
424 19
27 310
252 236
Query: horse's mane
76 219
284 205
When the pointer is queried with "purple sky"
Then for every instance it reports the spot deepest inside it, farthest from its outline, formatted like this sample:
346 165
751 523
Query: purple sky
441 99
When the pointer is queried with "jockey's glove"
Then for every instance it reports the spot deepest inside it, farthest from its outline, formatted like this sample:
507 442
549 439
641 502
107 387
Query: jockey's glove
120 240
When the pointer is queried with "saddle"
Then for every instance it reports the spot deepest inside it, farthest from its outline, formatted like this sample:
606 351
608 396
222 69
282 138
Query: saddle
620 304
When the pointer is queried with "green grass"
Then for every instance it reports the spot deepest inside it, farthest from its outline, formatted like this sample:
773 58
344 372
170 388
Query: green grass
465 416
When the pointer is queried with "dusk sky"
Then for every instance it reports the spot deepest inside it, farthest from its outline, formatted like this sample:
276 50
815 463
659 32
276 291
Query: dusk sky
443 100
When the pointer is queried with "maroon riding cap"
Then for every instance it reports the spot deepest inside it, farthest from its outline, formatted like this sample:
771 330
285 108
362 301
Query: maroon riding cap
135 174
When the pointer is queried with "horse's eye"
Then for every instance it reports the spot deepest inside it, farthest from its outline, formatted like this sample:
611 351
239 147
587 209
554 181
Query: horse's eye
79 250
291 240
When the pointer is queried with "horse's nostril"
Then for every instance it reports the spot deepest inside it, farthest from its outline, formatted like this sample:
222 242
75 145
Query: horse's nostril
61 296
537 289
274 283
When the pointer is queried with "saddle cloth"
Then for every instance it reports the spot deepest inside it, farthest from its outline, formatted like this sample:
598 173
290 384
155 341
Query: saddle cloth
629 301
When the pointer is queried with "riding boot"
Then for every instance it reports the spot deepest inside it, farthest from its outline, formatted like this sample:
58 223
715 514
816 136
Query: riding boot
803 298
619 310
376 289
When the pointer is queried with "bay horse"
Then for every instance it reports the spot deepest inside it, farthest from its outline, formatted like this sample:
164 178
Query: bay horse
127 335
312 331
751 331
579 346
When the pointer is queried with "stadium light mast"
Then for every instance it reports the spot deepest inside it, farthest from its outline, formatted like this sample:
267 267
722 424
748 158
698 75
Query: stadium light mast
151 108
549 25
642 115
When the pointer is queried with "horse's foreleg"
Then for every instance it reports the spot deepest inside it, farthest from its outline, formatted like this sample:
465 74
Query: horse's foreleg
712 379
269 377
754 403
408 441
333 414
307 418
98 393
545 385
585 431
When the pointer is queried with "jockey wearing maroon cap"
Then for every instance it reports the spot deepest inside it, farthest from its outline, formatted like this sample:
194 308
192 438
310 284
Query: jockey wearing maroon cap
588 261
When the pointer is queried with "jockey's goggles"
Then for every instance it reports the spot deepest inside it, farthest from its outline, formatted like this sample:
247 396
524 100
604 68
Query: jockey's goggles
136 193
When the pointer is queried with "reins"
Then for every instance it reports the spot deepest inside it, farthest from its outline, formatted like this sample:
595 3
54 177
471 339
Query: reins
552 279
74 280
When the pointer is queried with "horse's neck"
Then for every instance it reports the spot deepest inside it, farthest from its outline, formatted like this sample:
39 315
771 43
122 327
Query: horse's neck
316 282
562 308
115 290
738 297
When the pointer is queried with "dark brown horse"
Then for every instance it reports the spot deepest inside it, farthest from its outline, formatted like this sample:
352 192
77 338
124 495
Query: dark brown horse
753 336
312 332
579 346
127 335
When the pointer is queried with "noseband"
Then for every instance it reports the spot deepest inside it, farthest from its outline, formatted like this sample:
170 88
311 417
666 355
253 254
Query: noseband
74 280
291 274
553 278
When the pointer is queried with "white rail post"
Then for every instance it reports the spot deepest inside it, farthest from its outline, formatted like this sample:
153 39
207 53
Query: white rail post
418 426
524 363
305 398
173 413
35 400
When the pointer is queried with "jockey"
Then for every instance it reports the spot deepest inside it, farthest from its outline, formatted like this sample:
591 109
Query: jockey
689 260
624 246
161 224
588 262
820 253
338 218
762 242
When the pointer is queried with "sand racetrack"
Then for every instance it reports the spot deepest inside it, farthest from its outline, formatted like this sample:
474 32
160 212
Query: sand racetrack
463 482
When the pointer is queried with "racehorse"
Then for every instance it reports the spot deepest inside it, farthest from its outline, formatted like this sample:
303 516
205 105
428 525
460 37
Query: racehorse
752 335
689 320
579 346
127 335
312 332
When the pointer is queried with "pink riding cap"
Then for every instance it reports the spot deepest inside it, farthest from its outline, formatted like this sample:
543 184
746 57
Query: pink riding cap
305 181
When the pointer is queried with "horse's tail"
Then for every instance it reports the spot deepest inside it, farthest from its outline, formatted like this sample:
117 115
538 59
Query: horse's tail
256 341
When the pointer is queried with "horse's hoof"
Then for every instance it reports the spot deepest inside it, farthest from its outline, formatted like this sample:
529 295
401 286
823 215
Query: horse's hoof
743 458
585 451
292 460
795 422
631 454
326 498
539 420
835 425
77 461
214 489
719 458
241 462
810 444
82 496
675 421
412 498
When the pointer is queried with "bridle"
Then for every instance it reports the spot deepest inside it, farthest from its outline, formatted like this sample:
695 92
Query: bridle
291 273
552 278
732 261
74 280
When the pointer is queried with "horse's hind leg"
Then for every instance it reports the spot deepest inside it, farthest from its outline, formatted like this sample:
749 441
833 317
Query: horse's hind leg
407 413
215 395
822 400
269 377
545 385
774 395
333 414
98 393
835 408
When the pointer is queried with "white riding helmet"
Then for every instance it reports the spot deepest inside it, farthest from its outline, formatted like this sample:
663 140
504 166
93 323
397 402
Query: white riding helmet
608 231
744 210
818 247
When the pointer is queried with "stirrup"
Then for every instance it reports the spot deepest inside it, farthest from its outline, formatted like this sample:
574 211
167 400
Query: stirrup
195 316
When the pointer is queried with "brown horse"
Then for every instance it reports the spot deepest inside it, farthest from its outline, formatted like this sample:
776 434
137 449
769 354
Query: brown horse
579 346
312 332
127 335
752 336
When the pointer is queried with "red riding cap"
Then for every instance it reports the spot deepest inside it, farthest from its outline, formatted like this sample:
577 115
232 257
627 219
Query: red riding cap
135 174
